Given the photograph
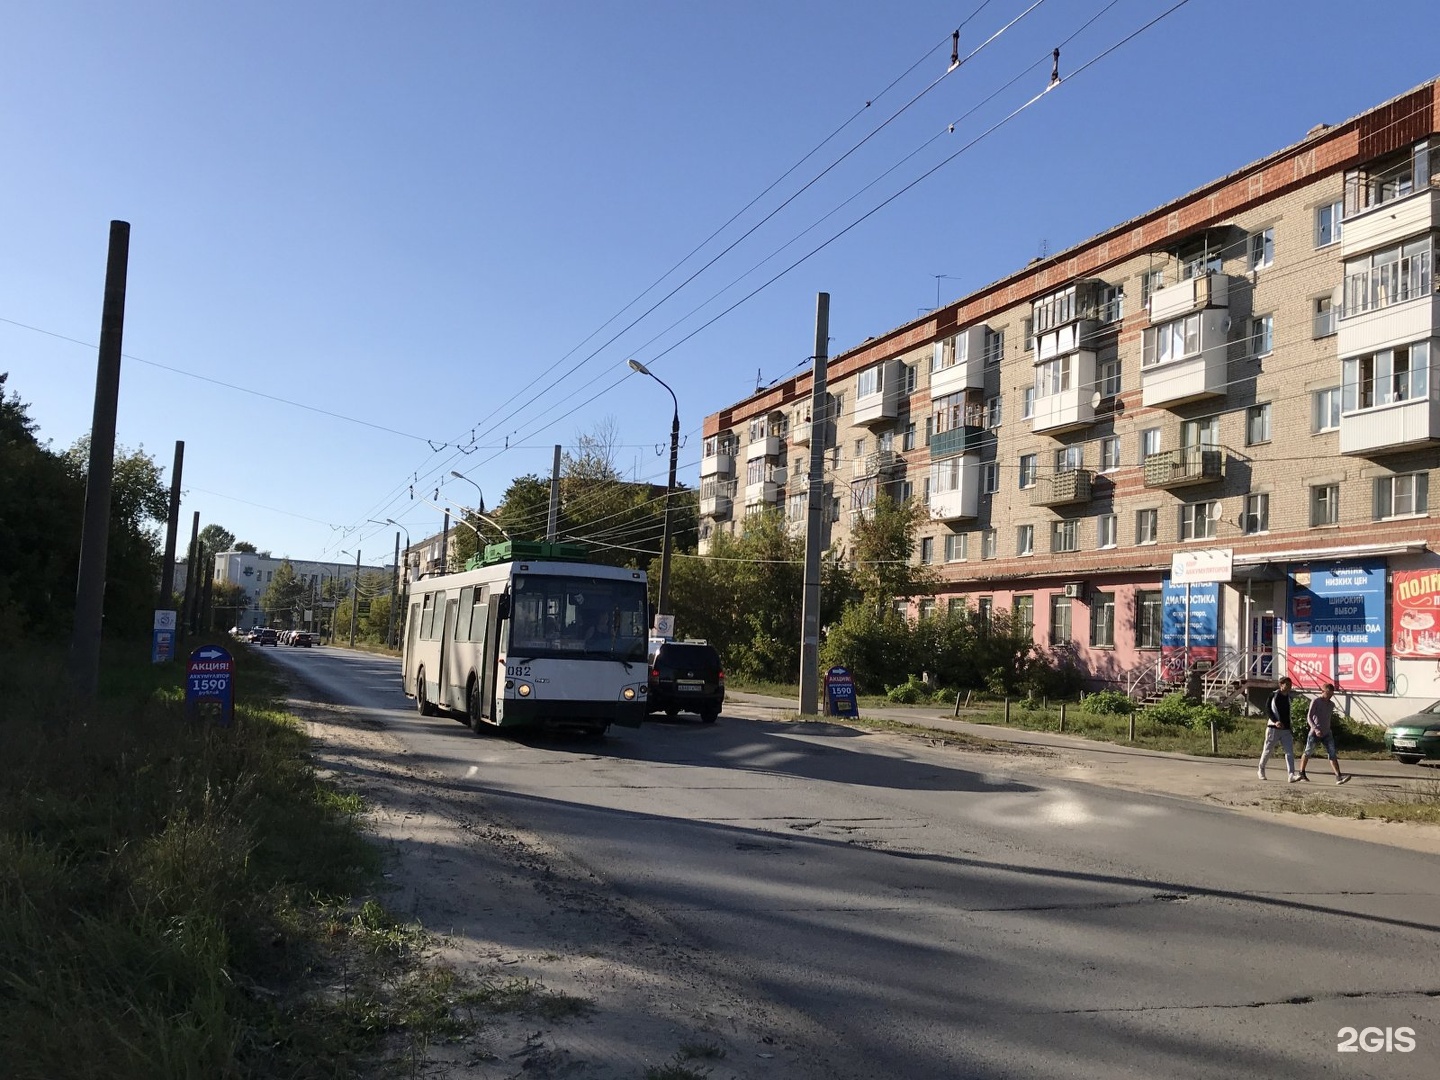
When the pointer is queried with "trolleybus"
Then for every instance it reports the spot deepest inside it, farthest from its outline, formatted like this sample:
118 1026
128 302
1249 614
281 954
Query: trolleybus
530 635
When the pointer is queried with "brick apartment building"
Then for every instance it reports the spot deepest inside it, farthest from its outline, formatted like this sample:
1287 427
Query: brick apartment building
1244 376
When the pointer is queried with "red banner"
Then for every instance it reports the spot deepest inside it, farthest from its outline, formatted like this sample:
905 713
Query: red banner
1415 627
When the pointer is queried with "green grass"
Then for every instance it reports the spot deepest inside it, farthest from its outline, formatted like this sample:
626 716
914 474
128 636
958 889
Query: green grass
1420 803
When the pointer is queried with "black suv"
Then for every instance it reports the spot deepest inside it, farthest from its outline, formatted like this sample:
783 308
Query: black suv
686 675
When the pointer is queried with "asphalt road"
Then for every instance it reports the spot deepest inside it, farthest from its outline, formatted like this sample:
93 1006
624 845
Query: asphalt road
942 914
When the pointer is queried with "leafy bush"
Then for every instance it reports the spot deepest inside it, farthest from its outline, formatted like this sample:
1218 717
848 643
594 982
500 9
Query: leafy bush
1201 715
910 692
1171 709
1112 702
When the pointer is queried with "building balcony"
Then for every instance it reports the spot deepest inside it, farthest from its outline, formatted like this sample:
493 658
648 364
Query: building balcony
1183 467
959 496
876 463
717 465
1062 488
959 363
1391 222
800 432
1205 291
960 440
1385 325
1074 336
766 447
1064 411
1198 375
882 403
1398 426
764 491
716 506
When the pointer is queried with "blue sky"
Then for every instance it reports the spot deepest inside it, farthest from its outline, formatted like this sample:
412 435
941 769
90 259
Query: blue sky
429 219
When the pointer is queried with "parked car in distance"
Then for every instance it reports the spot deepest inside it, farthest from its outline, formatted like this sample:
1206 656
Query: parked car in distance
253 635
686 676
268 637
300 637
1414 738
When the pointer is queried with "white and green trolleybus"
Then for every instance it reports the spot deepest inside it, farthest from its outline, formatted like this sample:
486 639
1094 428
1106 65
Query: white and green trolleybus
530 635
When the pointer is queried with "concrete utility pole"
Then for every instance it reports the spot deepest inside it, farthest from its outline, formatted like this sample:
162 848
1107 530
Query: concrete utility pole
394 596
662 597
172 527
814 522
192 582
355 597
445 542
552 523
100 477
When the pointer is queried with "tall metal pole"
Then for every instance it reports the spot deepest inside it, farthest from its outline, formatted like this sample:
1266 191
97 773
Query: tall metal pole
814 520
99 480
354 597
662 600
552 522
445 544
172 526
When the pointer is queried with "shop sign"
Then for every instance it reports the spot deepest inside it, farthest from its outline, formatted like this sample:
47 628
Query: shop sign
1336 626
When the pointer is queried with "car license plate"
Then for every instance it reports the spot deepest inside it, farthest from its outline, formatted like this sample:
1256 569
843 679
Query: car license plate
693 686
1405 744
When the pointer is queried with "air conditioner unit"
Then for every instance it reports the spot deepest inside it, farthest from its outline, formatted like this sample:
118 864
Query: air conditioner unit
1074 589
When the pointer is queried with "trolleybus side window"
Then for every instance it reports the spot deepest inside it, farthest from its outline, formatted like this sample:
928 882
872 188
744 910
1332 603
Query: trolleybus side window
462 622
479 610
427 616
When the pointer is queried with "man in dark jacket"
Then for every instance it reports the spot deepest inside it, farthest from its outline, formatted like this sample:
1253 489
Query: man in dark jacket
1277 730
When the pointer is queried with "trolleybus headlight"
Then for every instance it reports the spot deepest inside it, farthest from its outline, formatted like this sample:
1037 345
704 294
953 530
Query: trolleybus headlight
628 693
523 689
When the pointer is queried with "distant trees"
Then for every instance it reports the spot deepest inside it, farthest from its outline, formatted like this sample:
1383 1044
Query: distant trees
283 597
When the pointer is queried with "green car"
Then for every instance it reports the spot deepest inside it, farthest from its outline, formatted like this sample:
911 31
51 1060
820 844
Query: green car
1416 737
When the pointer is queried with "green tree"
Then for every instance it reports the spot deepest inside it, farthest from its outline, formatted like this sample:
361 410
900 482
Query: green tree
227 600
282 600
525 510
215 539
883 550
244 545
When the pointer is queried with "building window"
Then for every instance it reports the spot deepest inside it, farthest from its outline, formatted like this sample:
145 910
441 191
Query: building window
1110 378
1028 470
1110 453
1324 316
907 440
927 609
912 376
1023 612
1325 409
1256 518
1028 328
1201 262
927 550
1262 335
1106 532
1149 618
1102 620
1325 504
1059 620
989 544
990 477
869 382
1057 309
1327 223
1069 459
994 346
1149 443
1025 540
1027 403
1170 341
1257 424
1055 376
1151 282
1388 277
955 547
1402 496
955 606
1147 526
954 411
984 608
1064 536
1197 520
1385 377
1112 303
1262 249
994 412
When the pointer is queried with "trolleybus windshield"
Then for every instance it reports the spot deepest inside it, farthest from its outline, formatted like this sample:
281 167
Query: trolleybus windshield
593 618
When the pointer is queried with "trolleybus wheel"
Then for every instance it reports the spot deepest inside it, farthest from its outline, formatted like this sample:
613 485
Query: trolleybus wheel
472 705
422 706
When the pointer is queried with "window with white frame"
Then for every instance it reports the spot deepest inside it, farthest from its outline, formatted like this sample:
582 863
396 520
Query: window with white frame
927 550
1149 618
870 381
1022 614
907 440
1257 424
1106 532
1204 431
1059 619
927 609
1055 376
1025 540
1327 223
1173 340
1102 620
797 506
1110 453
1324 504
1385 377
989 543
1262 249
760 429
994 412
1069 458
1149 443
990 477
955 605
1262 335
1054 310
1256 518
1325 409
1147 526
1027 327
994 346
757 470
1324 316
1029 469
912 377
1401 496
1064 536
956 547
1151 282
1110 382
907 489
1387 277
956 411
1027 403
946 475
1112 303
1201 262
1197 520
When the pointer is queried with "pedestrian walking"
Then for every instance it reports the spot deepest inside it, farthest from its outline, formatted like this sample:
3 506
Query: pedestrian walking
1318 719
1277 731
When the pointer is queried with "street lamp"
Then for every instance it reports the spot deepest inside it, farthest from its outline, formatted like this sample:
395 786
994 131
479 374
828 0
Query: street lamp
397 598
662 601
461 476
354 598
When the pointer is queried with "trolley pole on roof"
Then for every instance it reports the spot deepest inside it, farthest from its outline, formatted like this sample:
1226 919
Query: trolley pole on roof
552 523
814 522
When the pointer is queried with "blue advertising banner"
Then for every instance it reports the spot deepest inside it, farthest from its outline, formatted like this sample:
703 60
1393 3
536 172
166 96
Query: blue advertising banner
840 693
1336 619
1204 619
210 681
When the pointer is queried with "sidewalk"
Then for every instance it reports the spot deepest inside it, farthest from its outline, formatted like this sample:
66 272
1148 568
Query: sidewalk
1228 782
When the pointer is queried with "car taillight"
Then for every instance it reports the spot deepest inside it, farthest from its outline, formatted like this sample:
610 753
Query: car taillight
655 673
720 676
